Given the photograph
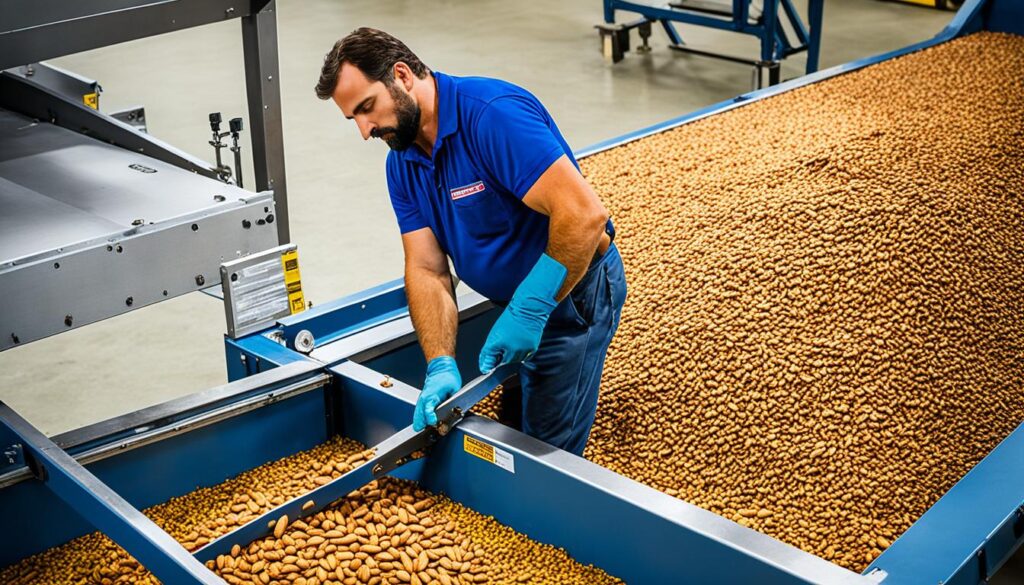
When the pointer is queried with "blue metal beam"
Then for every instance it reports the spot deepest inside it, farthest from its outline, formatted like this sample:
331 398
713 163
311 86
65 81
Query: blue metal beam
105 509
349 314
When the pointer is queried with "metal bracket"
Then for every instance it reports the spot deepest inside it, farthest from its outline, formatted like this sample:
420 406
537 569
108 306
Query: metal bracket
134 117
13 456
877 575
614 41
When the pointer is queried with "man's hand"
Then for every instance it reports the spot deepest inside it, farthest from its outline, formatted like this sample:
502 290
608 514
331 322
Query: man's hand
517 332
443 380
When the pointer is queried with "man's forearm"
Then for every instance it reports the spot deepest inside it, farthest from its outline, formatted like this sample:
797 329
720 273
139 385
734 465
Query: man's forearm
572 241
434 312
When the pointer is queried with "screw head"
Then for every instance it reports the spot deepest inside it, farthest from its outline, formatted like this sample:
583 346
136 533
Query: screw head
304 341
200 280
129 301
68 320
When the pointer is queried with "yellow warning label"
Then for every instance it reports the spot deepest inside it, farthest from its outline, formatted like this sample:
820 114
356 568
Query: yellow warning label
92 100
489 453
478 448
292 281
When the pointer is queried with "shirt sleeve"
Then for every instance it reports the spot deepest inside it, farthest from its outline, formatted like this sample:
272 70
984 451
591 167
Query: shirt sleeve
406 211
516 142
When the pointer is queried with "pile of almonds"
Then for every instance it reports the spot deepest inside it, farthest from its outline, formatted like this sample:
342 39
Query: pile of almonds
825 319
392 532
388 532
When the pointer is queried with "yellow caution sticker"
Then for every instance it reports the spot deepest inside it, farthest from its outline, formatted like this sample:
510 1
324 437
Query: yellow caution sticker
489 453
92 100
293 282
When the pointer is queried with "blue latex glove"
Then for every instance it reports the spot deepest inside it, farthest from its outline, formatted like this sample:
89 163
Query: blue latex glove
442 381
516 334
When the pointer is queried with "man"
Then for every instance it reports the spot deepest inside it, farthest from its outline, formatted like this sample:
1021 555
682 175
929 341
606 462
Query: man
479 172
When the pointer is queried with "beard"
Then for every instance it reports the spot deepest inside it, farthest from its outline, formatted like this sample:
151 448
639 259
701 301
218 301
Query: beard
407 111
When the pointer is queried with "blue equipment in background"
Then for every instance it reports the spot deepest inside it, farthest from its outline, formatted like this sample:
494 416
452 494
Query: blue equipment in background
771 21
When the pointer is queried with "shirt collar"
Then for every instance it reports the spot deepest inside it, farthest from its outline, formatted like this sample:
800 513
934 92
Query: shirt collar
447 119
447 107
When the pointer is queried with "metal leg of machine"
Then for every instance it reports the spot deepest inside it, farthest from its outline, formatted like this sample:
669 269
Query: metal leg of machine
262 84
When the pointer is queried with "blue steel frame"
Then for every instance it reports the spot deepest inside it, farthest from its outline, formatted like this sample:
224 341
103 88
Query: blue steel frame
104 508
775 43
329 322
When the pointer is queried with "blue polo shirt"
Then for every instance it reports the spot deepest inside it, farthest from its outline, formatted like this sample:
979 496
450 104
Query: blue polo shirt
494 140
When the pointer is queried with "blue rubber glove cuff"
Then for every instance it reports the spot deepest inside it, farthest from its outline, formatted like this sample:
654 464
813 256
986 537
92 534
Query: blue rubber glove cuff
540 287
442 381
516 334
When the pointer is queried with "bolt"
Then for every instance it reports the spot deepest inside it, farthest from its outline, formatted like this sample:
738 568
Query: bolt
56 265
200 280
229 12
234 277
67 320
138 221
165 293
246 223
386 382
14 339
110 248
129 301
195 227
219 198
120 249
270 218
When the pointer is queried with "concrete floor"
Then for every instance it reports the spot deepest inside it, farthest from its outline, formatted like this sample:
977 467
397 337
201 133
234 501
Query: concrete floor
341 218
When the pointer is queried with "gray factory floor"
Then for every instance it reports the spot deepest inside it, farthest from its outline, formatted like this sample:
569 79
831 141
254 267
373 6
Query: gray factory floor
340 216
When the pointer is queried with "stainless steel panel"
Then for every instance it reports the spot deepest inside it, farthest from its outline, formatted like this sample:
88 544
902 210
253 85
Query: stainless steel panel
89 230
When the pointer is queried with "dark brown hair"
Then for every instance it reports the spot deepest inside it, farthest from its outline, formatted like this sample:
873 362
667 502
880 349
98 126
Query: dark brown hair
374 52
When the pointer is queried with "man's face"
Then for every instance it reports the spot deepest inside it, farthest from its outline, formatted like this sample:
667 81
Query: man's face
380 111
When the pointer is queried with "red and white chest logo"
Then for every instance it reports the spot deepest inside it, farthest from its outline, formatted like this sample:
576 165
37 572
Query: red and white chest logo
471 189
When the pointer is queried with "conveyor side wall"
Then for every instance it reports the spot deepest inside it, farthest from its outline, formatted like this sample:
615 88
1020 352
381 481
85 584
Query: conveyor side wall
159 471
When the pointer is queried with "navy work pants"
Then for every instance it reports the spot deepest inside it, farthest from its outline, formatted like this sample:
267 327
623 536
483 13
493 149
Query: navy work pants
560 381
